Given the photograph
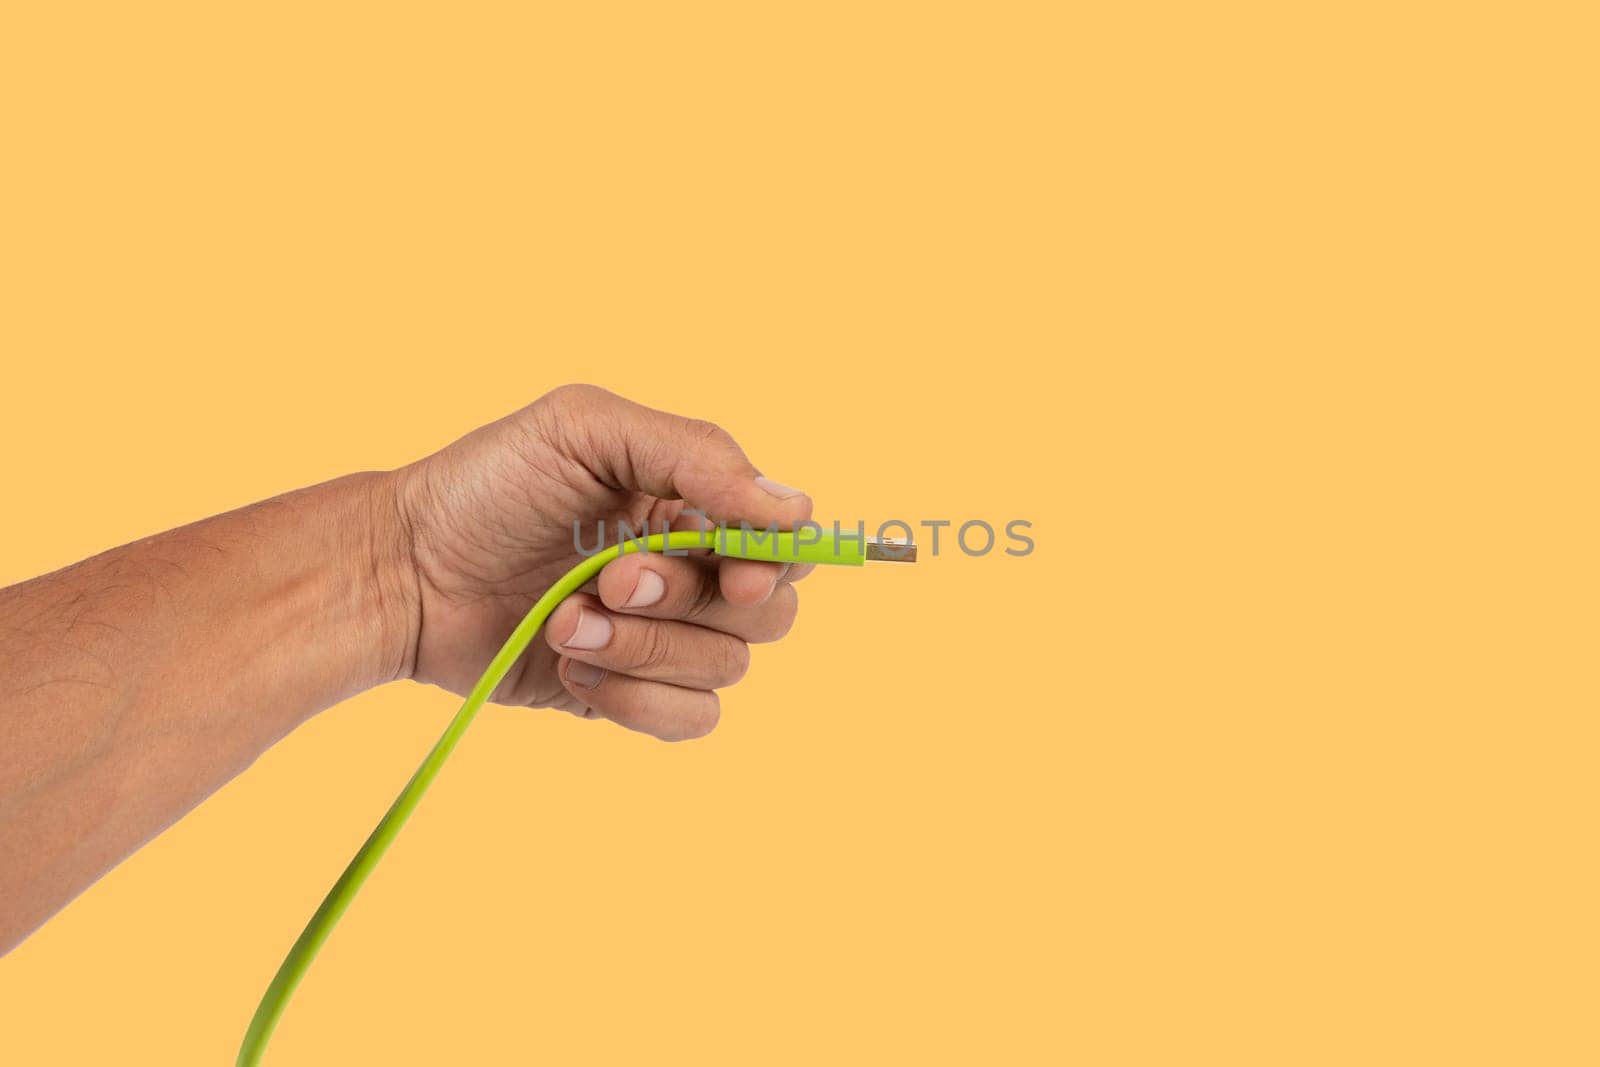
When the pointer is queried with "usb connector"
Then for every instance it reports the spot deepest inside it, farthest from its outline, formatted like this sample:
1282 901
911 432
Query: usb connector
891 552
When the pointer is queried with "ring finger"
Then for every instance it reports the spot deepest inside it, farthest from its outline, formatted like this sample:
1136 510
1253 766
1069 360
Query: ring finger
670 712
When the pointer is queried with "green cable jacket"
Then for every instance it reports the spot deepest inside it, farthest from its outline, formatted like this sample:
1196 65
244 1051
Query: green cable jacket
806 545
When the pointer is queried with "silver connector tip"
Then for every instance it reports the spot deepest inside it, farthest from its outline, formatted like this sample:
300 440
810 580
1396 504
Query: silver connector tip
891 552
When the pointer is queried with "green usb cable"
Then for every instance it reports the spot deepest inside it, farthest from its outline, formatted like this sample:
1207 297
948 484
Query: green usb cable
808 544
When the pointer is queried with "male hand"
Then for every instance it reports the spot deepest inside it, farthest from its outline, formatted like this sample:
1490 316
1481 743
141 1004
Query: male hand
489 526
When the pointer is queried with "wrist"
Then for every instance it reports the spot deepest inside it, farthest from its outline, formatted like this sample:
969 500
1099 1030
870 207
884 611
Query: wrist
392 593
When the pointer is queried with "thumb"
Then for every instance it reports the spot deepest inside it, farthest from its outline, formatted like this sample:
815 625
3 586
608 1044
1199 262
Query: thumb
629 446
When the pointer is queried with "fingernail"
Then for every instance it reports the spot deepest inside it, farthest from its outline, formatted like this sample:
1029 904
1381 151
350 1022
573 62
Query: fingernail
778 489
584 675
593 631
649 590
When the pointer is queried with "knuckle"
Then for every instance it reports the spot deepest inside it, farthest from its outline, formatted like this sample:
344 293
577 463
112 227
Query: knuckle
652 649
702 597
710 715
705 432
567 414
554 417
733 661
778 618
668 719
696 723
574 395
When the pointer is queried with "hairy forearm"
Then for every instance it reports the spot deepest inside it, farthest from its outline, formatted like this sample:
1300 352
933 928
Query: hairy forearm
135 683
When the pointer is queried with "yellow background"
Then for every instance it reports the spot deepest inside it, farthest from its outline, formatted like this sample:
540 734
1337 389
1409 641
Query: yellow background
1277 320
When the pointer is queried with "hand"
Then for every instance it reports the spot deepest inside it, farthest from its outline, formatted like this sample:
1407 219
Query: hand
489 521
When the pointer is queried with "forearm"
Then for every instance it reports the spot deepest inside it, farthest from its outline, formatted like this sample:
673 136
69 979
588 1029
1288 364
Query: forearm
134 684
